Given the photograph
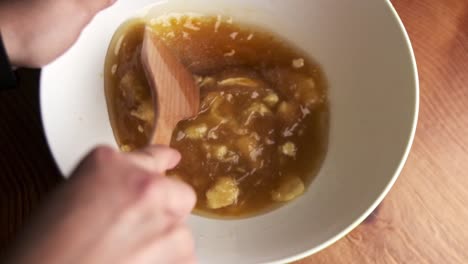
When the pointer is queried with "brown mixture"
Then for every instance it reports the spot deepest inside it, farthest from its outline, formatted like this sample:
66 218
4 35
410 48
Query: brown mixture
261 133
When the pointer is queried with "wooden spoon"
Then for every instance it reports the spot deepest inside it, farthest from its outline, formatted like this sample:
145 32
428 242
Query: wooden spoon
175 95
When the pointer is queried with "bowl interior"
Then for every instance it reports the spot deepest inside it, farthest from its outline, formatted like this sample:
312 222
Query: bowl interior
367 58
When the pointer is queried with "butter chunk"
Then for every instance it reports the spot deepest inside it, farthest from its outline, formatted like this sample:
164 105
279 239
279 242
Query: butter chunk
239 81
288 190
196 131
125 148
246 145
220 152
254 110
289 112
144 112
289 149
223 193
258 108
298 63
271 99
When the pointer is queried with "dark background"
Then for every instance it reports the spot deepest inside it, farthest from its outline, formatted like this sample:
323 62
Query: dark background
27 169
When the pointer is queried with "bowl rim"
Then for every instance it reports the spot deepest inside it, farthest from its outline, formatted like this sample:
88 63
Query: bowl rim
384 192
398 170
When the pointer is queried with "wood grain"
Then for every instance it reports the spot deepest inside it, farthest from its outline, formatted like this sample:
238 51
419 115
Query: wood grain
175 95
424 219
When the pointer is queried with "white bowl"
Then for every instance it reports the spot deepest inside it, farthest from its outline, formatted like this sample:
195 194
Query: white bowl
367 58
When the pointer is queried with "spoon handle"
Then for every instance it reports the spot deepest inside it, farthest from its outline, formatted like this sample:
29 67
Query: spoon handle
175 95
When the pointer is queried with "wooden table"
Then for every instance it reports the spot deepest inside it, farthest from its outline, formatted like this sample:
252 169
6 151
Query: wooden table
424 219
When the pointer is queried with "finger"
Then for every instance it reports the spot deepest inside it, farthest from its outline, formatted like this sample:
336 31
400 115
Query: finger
174 247
163 205
171 198
190 260
160 204
98 5
93 160
157 159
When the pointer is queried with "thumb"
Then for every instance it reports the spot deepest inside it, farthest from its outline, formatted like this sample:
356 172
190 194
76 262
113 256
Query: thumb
157 158
97 5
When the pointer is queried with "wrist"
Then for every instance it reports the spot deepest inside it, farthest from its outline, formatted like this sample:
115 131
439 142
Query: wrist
11 45
11 26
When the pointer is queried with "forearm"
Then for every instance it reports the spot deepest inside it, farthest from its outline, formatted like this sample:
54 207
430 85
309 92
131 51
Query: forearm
9 20
35 32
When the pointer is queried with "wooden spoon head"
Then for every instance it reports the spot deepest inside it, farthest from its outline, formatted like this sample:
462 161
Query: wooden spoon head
175 95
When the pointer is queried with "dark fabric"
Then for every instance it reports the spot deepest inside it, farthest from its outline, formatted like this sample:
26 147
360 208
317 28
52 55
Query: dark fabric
7 76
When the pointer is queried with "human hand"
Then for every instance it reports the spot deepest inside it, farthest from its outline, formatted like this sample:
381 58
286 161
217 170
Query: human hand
116 208
35 32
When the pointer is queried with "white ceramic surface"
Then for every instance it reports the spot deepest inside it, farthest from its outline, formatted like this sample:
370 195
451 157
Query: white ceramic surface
368 60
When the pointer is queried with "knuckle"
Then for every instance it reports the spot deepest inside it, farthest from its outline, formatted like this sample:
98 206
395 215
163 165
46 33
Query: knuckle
189 260
183 198
157 187
149 190
147 194
138 193
169 196
90 8
130 212
163 189
182 237
173 196
103 154
83 10
189 196
142 185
